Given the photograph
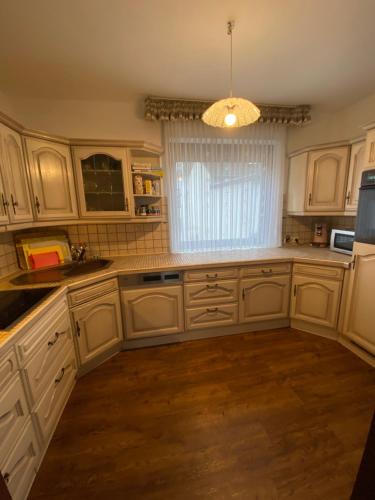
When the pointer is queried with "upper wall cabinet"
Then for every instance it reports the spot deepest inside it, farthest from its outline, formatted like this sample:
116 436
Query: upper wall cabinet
356 167
52 179
102 181
317 182
16 196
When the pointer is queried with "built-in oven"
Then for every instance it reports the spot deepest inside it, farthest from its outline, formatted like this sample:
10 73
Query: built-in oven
365 227
342 241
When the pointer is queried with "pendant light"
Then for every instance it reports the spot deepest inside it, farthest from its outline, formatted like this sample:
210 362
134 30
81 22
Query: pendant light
233 111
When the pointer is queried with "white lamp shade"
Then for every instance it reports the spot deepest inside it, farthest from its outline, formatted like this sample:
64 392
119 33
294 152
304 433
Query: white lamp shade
245 111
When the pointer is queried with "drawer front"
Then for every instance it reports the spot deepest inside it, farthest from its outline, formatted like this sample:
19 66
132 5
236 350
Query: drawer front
211 274
266 269
13 415
91 292
197 294
19 468
208 317
40 369
323 271
8 367
50 325
50 406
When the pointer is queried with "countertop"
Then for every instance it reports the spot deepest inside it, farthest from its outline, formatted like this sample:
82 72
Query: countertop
134 264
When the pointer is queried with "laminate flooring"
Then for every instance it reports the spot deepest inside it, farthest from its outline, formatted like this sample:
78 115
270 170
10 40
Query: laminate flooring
270 415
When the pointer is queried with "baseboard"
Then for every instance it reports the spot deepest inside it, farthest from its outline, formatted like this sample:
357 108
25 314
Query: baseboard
205 333
322 331
356 349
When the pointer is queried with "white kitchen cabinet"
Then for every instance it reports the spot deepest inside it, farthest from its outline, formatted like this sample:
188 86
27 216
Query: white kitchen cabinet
356 167
16 197
103 180
264 298
317 182
98 326
326 179
359 315
52 179
153 311
315 300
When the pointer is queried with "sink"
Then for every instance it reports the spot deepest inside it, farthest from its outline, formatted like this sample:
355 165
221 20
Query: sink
59 273
90 266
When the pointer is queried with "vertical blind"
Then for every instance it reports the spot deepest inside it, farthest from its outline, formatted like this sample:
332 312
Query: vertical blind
225 186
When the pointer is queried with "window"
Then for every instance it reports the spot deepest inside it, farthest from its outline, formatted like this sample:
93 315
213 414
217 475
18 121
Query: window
225 186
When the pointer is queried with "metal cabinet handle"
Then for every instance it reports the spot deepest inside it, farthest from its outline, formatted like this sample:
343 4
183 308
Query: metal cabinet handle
212 287
59 379
266 271
243 293
212 309
310 198
295 290
6 477
5 203
78 329
37 204
348 196
53 342
353 262
211 276
14 204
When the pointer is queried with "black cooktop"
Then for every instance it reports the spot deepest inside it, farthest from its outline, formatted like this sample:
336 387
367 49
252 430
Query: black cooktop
15 303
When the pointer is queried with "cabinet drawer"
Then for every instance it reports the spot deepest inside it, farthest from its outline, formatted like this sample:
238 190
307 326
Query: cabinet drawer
266 269
13 415
40 369
211 274
47 329
52 403
8 367
210 293
92 291
19 468
323 271
206 317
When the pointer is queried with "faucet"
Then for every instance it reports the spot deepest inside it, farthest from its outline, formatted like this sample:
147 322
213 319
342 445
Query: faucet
79 253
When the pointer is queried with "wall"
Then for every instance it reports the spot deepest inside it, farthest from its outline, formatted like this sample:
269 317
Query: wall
88 119
8 257
326 126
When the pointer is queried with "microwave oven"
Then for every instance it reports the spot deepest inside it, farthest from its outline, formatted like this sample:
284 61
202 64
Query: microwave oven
342 241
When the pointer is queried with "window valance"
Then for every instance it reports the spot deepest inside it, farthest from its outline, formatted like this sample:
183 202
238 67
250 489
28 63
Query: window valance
165 109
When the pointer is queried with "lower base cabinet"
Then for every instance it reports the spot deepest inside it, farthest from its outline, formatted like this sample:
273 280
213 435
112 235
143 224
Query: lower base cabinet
153 311
98 326
315 300
264 299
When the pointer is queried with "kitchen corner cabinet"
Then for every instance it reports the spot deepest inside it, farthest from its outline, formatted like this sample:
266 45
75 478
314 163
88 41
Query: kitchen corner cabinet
359 318
97 325
103 181
16 202
315 300
264 298
52 179
317 182
153 311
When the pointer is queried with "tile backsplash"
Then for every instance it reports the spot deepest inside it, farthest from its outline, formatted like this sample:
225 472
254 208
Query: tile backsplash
302 228
8 257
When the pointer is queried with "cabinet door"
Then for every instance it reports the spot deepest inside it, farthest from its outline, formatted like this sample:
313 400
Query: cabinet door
326 179
356 167
103 181
359 318
52 180
264 298
152 312
98 326
315 300
370 149
15 178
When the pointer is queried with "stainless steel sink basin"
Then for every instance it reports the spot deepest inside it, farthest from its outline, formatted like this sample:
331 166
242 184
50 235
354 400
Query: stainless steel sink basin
90 266
59 273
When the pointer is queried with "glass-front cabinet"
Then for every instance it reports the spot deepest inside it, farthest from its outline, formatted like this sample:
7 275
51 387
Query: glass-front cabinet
103 181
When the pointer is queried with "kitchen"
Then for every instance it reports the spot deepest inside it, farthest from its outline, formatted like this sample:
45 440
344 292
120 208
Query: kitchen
186 281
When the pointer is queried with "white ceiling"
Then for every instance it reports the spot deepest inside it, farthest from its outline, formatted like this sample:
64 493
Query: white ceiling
285 51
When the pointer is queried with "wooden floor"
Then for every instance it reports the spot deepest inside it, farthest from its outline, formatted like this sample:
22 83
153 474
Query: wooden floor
272 415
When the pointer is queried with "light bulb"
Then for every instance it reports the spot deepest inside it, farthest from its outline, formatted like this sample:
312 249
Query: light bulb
230 119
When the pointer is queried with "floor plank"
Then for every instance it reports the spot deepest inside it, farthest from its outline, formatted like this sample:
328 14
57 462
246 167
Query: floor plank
263 416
